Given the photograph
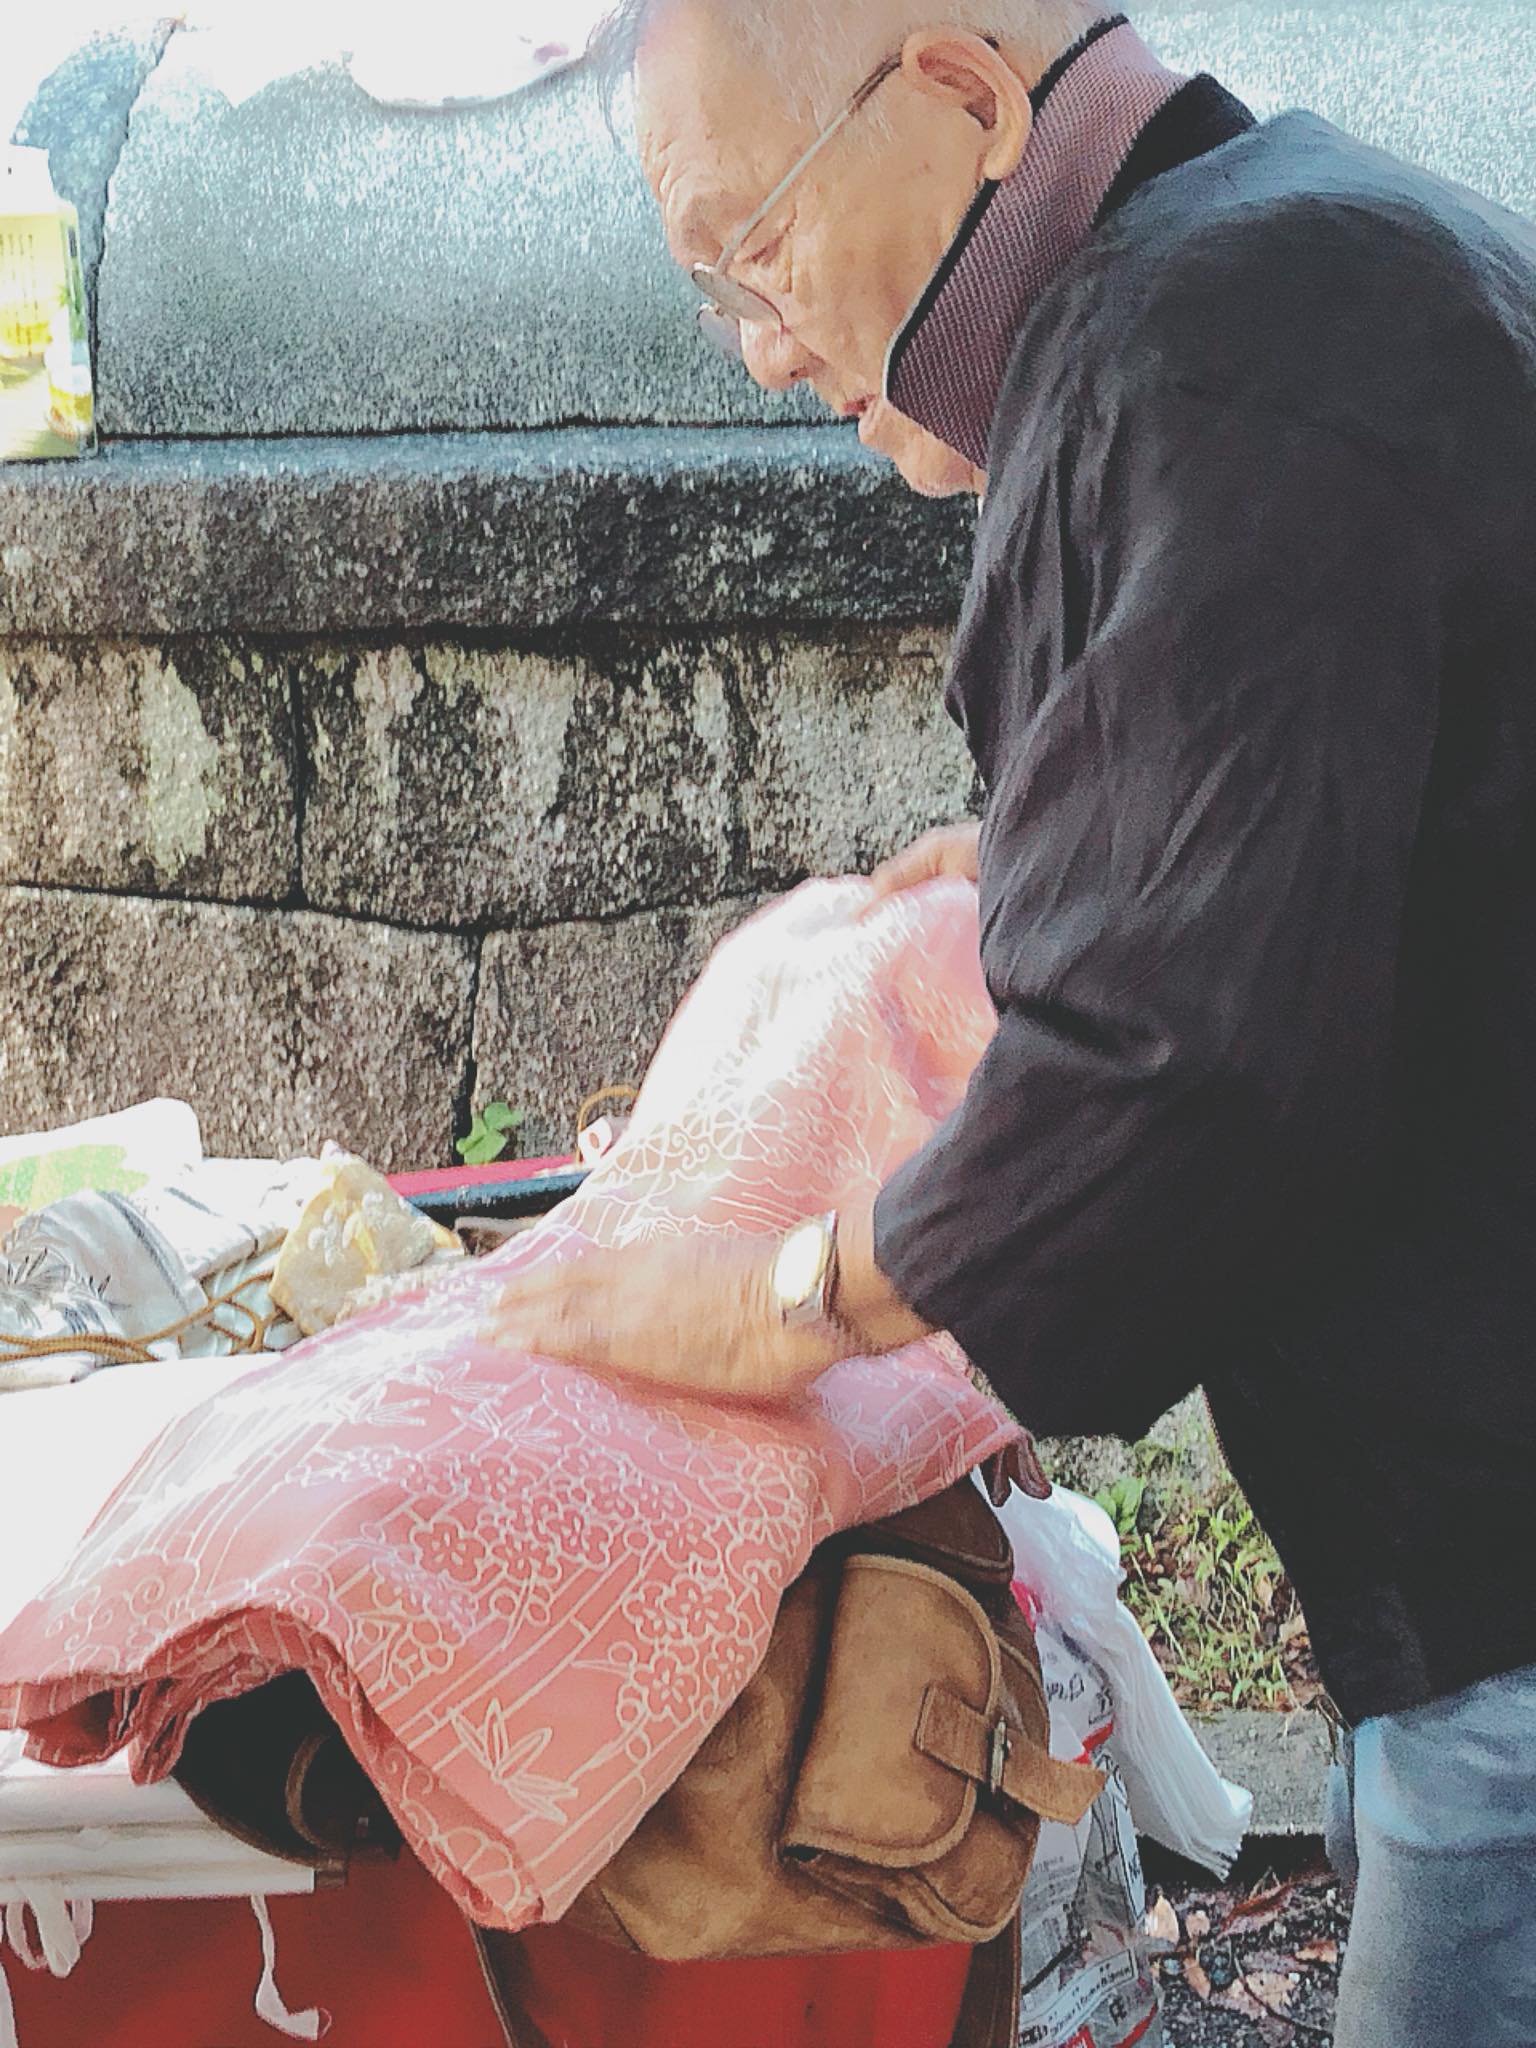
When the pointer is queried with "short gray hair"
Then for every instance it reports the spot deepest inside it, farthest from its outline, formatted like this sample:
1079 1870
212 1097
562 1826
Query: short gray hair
819 50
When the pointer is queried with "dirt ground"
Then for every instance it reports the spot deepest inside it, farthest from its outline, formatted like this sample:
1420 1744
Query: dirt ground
1253 1963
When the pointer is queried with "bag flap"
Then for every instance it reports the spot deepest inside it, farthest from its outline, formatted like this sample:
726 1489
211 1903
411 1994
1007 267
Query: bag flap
865 1789
954 1530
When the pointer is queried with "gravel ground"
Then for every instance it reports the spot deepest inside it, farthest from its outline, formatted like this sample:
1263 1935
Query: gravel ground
1255 1962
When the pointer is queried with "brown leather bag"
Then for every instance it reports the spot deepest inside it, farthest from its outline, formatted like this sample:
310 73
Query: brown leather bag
880 1783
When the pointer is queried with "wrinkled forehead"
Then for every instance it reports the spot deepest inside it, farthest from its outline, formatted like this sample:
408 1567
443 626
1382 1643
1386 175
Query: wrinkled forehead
713 134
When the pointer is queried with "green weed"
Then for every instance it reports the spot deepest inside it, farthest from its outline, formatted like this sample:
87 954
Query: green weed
1208 1589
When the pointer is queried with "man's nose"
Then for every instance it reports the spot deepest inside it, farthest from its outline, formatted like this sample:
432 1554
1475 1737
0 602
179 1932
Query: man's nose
773 356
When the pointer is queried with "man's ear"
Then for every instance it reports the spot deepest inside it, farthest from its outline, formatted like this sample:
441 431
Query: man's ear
966 71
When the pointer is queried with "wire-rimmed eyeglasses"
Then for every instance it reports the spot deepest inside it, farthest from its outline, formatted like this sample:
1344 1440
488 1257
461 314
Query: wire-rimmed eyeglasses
728 302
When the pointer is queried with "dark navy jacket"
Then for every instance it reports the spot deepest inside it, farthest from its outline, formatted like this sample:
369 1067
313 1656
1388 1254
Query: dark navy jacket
1248 665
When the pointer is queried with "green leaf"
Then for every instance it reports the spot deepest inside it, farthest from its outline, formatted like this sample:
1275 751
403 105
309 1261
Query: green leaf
489 1134
482 1145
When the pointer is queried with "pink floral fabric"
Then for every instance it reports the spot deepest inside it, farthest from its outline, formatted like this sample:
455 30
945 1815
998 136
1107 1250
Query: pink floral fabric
527 1594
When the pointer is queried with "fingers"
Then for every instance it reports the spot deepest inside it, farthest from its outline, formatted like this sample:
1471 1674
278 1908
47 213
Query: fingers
905 871
950 850
916 863
693 1318
966 851
548 1312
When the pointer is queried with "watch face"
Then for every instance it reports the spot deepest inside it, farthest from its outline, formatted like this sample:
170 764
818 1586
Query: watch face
800 1263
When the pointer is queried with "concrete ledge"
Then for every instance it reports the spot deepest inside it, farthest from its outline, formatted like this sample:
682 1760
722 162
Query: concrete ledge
1281 1758
568 527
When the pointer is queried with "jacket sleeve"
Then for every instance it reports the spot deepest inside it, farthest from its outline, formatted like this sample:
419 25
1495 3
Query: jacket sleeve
1198 837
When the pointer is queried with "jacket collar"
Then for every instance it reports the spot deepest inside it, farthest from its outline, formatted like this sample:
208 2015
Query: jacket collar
946 365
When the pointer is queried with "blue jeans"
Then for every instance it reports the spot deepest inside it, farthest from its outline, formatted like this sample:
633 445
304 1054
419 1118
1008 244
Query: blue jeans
1432 1817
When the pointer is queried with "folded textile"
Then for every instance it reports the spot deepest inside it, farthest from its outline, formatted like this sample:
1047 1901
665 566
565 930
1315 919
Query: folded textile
96 1265
525 1594
114 1263
224 1254
109 1154
64 1451
222 1211
72 1837
44 1296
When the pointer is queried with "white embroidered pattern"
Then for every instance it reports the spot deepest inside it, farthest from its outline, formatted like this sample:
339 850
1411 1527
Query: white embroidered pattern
525 1595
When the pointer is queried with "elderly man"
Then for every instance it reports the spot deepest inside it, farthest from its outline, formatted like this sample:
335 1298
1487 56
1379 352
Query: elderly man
1248 665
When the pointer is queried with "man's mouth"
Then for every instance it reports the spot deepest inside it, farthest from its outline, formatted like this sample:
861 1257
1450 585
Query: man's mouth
855 408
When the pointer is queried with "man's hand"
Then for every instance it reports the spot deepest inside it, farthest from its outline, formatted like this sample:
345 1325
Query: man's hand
948 850
691 1315
696 1315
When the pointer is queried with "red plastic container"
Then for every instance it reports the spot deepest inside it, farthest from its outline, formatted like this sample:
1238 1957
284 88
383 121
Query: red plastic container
443 1180
386 1955
390 1959
583 1994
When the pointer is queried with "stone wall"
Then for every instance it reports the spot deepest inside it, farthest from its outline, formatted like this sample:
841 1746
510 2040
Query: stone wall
445 647
347 888
350 782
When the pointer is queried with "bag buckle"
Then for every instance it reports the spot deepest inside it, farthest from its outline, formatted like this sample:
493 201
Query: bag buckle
997 1757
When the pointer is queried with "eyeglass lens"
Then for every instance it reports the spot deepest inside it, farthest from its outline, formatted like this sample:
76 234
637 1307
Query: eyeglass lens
722 330
728 304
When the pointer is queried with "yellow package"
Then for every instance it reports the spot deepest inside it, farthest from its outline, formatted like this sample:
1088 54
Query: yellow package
46 406
353 1230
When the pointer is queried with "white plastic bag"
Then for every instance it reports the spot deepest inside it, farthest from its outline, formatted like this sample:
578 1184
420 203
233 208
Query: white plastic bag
1066 1552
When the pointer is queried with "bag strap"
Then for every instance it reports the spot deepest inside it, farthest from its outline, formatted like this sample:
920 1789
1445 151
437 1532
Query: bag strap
500 1956
111 1350
1017 1464
989 2010
1000 1757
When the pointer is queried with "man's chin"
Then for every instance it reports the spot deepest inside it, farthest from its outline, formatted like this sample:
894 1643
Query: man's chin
927 465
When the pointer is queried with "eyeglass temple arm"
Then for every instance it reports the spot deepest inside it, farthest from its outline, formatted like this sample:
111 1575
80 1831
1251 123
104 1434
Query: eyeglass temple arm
733 247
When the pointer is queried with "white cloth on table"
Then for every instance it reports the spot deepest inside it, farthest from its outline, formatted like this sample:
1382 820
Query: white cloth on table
64 1449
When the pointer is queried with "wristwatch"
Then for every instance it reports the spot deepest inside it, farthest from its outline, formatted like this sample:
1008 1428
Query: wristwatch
803 1280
